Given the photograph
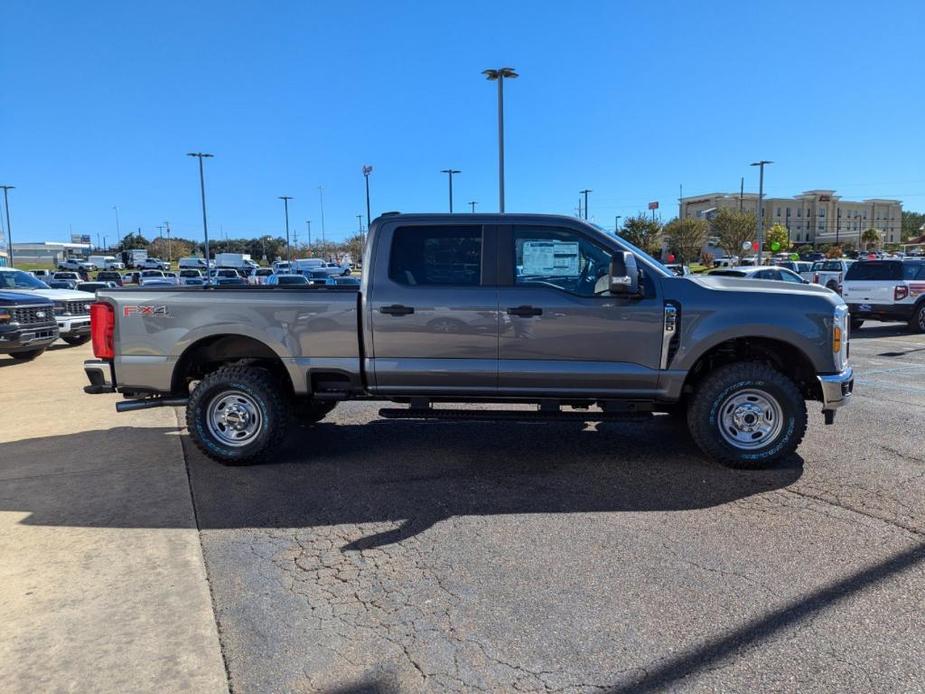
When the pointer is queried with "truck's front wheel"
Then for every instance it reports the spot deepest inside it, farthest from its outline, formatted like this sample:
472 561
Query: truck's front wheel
237 414
747 415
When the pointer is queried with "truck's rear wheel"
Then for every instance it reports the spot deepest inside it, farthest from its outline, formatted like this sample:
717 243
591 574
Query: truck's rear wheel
237 414
747 415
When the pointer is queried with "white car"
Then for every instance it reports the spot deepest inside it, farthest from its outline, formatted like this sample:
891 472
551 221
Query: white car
260 275
190 276
154 264
72 308
76 265
149 277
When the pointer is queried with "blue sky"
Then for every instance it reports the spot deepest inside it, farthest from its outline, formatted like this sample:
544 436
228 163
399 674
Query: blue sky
100 102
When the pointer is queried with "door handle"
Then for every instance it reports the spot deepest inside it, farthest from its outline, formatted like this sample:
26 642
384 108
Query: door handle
525 311
396 310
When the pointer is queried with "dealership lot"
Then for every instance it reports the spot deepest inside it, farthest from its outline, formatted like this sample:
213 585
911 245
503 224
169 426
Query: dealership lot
379 555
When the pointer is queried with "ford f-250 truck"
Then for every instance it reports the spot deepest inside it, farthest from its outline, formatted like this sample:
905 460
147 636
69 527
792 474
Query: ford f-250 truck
503 308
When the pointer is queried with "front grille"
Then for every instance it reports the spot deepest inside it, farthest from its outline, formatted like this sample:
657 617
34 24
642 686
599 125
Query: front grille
78 308
33 315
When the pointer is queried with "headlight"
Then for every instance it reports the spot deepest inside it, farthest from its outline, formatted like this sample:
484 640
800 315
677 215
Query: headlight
5 315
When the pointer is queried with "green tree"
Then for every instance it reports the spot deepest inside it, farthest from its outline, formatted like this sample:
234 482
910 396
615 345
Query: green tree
870 238
779 235
354 246
132 240
732 229
912 225
687 237
642 231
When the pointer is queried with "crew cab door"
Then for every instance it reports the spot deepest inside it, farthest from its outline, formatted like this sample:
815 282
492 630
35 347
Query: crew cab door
562 332
432 311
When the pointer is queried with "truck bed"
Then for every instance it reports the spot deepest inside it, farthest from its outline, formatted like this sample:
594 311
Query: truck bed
307 327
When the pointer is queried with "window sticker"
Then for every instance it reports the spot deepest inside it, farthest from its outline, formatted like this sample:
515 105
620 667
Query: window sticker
550 258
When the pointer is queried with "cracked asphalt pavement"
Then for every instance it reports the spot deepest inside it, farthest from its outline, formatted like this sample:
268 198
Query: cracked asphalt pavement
404 556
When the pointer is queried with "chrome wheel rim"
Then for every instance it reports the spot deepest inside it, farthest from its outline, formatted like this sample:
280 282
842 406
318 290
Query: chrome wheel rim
922 318
750 419
234 418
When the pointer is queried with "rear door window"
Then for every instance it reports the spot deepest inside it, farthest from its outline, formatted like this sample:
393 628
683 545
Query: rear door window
874 271
914 271
440 255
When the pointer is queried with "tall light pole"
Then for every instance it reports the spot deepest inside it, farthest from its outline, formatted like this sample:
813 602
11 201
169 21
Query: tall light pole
472 204
498 76
324 241
759 216
308 225
118 231
169 246
202 190
616 224
360 223
286 199
367 170
9 230
450 173
585 193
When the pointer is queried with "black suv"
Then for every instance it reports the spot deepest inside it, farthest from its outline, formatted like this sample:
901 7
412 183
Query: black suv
27 325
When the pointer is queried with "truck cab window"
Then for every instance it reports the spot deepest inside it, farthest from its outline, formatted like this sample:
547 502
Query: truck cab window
559 258
445 255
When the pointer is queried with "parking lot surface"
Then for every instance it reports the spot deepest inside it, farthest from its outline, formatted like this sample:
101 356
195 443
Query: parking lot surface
388 556
381 555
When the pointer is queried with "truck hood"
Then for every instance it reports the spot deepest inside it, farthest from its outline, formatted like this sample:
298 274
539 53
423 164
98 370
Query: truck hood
12 297
720 283
58 294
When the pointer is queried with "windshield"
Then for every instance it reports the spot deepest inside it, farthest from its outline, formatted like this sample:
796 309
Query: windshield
636 251
20 280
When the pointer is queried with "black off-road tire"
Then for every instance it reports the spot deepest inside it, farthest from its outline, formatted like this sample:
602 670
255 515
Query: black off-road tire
75 340
704 417
266 393
917 322
28 355
856 323
311 411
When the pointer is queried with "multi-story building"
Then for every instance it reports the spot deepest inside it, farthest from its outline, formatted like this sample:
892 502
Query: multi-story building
813 217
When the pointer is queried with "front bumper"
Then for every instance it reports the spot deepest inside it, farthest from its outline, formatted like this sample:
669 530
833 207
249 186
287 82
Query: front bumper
27 338
78 325
99 373
836 389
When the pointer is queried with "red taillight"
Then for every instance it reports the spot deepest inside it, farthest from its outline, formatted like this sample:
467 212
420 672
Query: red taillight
900 292
102 322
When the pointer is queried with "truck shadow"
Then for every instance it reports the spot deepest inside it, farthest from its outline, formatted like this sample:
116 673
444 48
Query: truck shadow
405 475
412 475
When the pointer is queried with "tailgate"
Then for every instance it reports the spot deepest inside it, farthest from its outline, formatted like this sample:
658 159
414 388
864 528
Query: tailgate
878 292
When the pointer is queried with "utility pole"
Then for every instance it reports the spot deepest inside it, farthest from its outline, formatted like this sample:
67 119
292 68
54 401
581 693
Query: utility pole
579 207
450 173
499 75
760 216
680 198
360 222
118 231
472 204
324 241
308 224
741 191
585 193
367 170
202 189
286 199
9 230
169 246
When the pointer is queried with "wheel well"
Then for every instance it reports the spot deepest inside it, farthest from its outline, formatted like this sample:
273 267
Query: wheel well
781 355
212 353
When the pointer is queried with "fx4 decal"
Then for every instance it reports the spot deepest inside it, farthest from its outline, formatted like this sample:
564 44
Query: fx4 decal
144 311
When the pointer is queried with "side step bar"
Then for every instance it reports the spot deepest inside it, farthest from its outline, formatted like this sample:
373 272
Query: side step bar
510 415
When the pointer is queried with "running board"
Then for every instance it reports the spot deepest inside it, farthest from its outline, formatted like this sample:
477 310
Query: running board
510 415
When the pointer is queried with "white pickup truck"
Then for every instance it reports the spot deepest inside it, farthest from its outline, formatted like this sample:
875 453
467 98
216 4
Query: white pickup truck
831 273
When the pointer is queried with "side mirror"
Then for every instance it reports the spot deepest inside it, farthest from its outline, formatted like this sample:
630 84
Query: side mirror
624 275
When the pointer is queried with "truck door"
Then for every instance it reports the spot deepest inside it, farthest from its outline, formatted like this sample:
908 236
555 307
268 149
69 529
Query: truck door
562 333
433 311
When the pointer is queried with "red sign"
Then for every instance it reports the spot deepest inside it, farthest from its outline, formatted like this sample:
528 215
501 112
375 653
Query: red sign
755 246
653 205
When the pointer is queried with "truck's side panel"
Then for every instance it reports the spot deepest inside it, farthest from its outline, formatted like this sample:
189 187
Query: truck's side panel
305 328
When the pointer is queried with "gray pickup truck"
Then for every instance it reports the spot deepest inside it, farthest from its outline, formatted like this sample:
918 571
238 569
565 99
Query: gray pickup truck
540 310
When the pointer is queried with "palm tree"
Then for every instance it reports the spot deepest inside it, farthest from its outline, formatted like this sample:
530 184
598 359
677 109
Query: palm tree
870 238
